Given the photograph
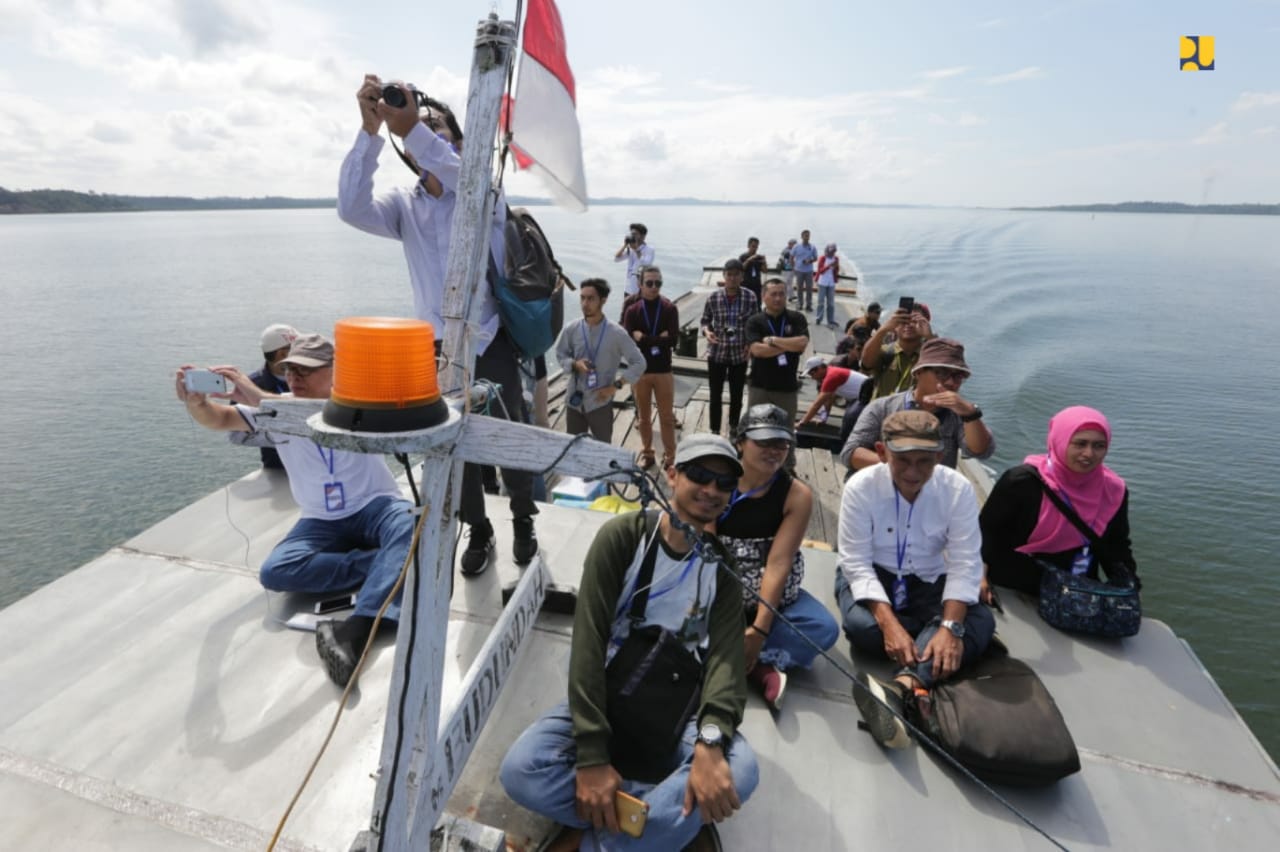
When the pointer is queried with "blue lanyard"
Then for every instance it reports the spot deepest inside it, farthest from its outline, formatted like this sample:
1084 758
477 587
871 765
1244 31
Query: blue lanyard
653 595
731 316
737 497
899 536
586 339
657 317
782 324
328 461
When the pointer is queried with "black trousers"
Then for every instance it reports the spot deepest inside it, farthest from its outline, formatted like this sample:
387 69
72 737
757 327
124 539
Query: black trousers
499 364
716 375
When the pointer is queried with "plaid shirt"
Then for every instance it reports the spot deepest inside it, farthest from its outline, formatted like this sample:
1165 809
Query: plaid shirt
719 317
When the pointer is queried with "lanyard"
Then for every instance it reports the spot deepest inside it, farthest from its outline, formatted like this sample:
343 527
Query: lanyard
899 536
586 340
731 316
657 317
737 497
329 460
683 574
782 324
904 373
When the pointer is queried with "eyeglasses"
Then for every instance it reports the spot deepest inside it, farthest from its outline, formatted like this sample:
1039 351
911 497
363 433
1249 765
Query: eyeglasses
657 285
700 475
300 371
944 375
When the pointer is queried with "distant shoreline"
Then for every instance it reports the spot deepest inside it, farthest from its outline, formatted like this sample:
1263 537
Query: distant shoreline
68 201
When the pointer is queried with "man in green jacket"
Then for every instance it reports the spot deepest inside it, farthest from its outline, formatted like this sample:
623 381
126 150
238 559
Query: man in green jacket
562 766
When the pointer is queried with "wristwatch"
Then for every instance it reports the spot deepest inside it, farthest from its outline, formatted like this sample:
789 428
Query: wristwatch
956 628
969 418
709 734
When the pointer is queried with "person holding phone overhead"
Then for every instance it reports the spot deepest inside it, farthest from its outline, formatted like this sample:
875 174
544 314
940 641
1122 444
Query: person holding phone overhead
889 364
647 591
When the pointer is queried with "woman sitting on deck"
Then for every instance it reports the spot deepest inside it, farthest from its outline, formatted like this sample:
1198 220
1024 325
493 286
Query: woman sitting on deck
763 527
1021 527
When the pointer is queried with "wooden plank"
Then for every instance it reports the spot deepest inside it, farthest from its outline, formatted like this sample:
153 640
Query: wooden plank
805 473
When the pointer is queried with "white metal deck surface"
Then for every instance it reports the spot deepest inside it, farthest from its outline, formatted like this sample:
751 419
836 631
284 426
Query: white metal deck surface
152 702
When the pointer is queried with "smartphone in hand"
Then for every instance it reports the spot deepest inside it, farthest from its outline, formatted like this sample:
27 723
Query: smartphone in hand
632 813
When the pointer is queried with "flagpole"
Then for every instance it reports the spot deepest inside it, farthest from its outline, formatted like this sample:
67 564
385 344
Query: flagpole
405 809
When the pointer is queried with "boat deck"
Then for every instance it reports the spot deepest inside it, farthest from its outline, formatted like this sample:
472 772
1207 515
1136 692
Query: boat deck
153 700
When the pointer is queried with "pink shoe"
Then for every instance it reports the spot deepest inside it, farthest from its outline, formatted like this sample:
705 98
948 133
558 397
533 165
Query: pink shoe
772 683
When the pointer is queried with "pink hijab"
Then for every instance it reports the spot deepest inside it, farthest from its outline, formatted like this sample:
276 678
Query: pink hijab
1096 495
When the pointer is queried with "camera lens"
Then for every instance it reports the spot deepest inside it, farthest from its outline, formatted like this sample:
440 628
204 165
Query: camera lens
394 96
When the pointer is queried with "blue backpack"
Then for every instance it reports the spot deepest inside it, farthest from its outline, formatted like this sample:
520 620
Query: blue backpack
530 290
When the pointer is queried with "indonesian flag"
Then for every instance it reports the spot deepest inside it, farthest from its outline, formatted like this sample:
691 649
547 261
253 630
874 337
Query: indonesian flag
542 118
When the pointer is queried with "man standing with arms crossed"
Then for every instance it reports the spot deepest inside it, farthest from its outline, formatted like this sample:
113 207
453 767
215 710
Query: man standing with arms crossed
776 336
724 325
422 220
590 350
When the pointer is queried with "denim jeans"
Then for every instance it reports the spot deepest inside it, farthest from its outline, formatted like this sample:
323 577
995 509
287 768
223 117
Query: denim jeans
786 648
366 549
922 617
538 773
827 302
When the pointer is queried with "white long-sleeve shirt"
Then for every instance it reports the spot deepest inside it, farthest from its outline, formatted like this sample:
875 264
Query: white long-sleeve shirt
942 537
637 257
423 224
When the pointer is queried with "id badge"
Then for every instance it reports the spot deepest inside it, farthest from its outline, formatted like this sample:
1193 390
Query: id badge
782 360
1080 564
335 498
593 380
694 627
900 593
654 350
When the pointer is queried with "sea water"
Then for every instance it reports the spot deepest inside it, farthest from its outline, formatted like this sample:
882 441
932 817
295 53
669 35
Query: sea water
1164 322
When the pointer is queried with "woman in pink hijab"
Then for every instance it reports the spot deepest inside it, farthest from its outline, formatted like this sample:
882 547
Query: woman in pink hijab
1021 527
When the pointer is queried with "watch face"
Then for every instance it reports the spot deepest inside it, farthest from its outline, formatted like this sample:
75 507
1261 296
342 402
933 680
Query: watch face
710 734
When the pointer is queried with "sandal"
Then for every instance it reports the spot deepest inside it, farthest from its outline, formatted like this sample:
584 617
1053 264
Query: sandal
668 461
646 459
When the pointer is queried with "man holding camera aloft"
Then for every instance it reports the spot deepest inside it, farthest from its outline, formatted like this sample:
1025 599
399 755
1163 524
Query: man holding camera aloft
638 254
421 218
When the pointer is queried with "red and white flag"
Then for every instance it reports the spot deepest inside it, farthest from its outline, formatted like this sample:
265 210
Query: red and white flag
542 118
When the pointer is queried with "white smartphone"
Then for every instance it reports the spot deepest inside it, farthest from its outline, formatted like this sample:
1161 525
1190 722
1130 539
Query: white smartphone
204 381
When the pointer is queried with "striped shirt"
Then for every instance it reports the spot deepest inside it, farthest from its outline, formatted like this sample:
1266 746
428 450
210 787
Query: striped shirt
727 319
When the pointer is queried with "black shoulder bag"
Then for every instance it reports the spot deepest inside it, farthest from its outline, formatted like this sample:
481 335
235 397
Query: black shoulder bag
1078 602
653 686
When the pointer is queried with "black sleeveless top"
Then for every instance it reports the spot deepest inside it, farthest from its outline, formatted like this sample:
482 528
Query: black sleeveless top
748 531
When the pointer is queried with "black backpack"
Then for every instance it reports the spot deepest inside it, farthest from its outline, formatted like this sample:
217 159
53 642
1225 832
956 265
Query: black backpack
530 290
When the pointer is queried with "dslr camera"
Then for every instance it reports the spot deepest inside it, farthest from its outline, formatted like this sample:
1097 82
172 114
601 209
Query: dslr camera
393 94
629 239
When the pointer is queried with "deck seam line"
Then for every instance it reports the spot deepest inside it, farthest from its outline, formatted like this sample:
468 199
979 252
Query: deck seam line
188 821
186 561
1185 776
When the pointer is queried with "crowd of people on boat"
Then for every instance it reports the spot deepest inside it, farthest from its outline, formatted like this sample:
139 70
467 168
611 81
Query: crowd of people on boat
711 591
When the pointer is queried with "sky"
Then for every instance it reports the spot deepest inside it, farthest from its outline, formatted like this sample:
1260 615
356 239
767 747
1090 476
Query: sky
1035 102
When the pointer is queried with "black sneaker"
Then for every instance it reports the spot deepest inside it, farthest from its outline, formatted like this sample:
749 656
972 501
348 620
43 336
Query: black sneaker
883 723
479 548
525 546
706 840
338 653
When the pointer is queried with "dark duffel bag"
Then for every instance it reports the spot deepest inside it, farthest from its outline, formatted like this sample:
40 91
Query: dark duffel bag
997 719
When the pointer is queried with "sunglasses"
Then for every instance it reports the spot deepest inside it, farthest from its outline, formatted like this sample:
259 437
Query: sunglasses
773 443
700 475
944 375
655 284
300 371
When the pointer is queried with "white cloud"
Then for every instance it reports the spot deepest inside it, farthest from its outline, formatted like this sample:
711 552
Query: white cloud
991 23
1028 73
110 133
1255 100
944 73
1213 136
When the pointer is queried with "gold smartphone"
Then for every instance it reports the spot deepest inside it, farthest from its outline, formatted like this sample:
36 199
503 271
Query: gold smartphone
632 813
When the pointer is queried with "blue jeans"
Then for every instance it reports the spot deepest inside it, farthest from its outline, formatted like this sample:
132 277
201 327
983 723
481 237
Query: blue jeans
538 773
922 617
827 299
366 549
785 648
